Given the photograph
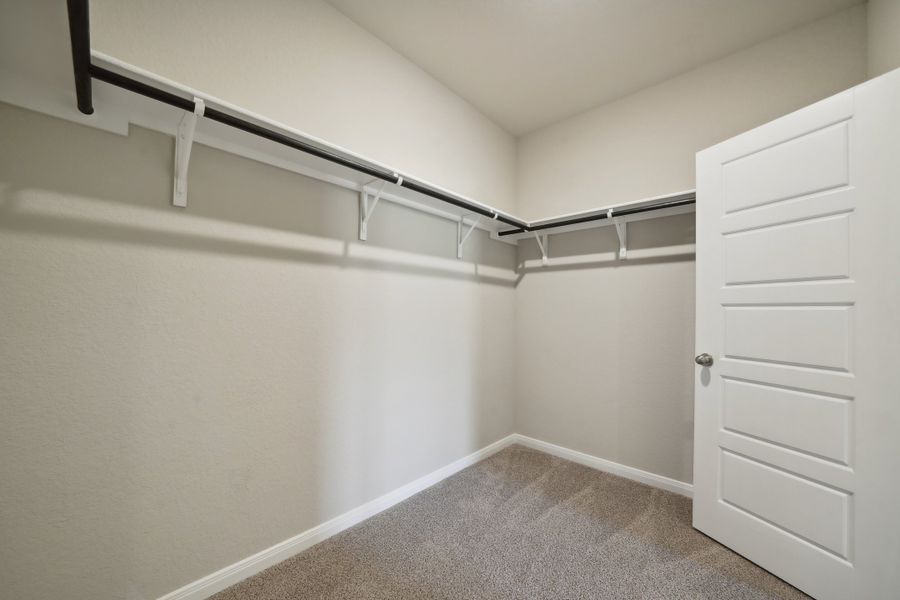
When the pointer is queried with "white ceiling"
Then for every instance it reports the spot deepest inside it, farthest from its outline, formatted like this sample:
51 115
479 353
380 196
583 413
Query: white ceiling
529 63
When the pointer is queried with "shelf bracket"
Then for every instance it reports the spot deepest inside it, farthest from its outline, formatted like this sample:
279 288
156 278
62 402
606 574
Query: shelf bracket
366 209
622 231
543 242
183 142
460 238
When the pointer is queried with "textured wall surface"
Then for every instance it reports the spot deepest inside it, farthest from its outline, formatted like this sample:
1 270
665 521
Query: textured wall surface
604 349
184 388
326 76
883 36
643 145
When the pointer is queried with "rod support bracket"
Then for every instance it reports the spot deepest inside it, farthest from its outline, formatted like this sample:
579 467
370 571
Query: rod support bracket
543 242
366 209
184 140
622 232
462 237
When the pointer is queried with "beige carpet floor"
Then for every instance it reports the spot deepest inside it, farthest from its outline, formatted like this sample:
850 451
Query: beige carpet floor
525 525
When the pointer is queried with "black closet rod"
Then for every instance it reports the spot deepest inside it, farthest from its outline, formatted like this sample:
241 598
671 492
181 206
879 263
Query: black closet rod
683 200
80 38
85 71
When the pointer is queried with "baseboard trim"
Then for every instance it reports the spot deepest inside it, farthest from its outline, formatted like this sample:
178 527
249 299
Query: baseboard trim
608 466
218 581
223 578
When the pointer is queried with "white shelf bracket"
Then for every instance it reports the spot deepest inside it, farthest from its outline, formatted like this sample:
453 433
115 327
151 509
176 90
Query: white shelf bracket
366 209
543 242
183 142
622 231
460 238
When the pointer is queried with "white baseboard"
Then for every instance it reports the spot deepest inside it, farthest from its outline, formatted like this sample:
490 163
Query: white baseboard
608 466
218 581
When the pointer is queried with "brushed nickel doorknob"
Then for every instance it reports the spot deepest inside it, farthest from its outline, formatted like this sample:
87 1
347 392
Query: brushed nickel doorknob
704 360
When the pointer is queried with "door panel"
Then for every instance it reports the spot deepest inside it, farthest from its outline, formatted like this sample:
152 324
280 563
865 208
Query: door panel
813 336
819 514
807 422
826 471
825 152
812 249
797 422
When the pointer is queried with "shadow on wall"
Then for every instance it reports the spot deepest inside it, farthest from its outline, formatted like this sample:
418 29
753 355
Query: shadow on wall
605 345
662 240
317 222
182 388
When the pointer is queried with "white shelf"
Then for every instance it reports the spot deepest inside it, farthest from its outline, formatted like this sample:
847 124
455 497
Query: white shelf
116 108
158 116
655 214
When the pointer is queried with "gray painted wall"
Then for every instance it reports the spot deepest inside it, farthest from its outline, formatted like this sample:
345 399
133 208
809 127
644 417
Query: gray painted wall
327 77
883 36
184 388
604 350
643 145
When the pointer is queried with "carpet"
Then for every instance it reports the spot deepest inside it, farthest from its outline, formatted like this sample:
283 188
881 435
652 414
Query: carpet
521 525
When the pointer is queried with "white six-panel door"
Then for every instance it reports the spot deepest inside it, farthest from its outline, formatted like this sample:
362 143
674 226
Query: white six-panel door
797 420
